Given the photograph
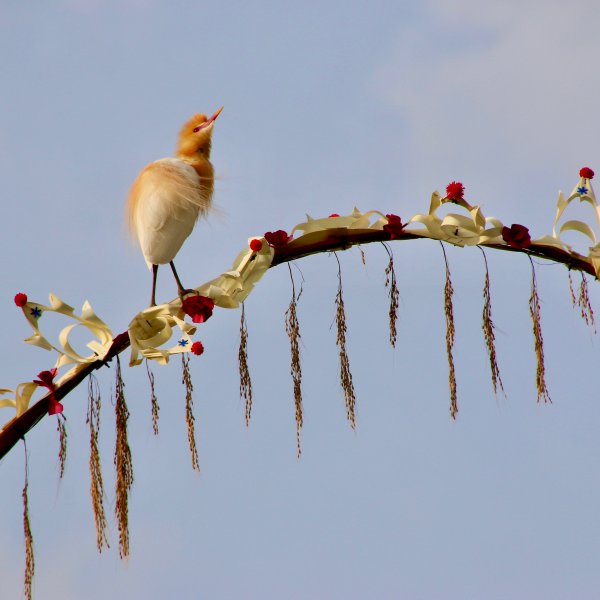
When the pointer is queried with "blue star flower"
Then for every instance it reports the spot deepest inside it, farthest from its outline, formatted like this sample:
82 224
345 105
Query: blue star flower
36 312
582 190
182 343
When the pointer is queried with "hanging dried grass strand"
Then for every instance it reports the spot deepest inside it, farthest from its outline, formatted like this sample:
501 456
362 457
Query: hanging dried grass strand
363 258
582 300
123 465
571 290
61 427
155 408
29 557
488 330
534 311
245 381
586 311
450 335
292 328
186 379
96 485
345 373
394 295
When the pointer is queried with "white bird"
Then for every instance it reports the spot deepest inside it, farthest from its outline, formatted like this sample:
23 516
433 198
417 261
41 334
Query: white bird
170 194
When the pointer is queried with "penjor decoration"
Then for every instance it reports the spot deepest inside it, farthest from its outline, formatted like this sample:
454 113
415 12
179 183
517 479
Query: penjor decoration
157 333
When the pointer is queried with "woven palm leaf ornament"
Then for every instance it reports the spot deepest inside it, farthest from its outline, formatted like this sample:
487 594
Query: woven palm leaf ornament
160 332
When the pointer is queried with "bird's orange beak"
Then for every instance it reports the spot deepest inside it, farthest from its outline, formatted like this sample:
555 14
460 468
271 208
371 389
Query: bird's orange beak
211 120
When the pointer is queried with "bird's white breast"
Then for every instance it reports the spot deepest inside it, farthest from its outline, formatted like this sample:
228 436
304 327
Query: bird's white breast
165 202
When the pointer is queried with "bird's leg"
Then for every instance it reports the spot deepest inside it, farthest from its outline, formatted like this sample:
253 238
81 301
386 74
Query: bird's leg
154 273
182 291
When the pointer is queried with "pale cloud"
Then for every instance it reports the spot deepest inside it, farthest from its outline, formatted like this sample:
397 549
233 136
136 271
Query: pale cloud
515 76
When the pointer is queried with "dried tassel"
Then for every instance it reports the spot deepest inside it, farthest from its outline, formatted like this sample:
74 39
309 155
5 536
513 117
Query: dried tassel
245 381
488 330
392 288
363 259
96 485
583 300
534 311
292 328
450 335
571 290
123 465
29 557
345 374
186 379
153 400
62 444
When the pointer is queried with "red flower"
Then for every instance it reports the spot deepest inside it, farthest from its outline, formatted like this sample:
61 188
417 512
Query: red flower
54 406
255 245
516 236
197 348
200 308
333 215
21 300
277 239
587 173
455 191
394 226
46 379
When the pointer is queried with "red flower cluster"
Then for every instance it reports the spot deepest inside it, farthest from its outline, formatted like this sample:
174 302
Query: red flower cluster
200 308
277 239
394 226
455 191
197 348
516 236
587 173
255 245
21 300
46 379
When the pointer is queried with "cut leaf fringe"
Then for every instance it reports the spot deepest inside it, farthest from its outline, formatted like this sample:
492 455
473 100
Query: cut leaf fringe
29 557
450 334
153 400
394 295
62 444
488 330
534 311
186 379
96 485
123 465
245 381
345 373
292 328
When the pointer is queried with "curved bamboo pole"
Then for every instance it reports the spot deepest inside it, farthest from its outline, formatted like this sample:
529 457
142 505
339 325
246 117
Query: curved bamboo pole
311 243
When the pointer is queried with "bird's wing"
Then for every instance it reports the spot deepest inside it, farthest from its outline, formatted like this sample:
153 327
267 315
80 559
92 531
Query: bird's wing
164 204
168 189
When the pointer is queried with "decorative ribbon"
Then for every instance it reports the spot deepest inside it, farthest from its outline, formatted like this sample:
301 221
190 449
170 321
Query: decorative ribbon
67 355
460 230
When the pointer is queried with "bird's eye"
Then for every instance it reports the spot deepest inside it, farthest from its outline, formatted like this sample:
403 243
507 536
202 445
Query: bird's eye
197 129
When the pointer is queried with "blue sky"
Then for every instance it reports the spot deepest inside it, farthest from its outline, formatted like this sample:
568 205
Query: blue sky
328 105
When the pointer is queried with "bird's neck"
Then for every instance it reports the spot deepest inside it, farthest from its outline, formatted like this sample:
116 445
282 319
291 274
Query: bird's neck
201 165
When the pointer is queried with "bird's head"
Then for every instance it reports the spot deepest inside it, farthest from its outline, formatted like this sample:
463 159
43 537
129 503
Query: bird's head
195 136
